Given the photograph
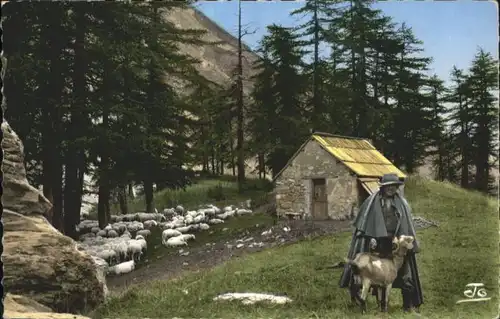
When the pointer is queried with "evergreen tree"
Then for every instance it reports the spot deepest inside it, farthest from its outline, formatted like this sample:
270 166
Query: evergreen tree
483 81
460 123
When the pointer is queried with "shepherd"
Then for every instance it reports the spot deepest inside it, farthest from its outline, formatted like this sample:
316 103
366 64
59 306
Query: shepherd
382 216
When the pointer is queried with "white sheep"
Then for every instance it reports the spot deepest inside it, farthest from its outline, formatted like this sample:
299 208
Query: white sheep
108 254
102 233
184 229
175 241
210 211
227 209
191 213
168 225
134 249
135 226
148 224
112 233
215 221
230 213
186 237
200 218
189 219
142 241
123 268
204 226
145 233
126 234
169 212
179 210
95 229
241 211
167 233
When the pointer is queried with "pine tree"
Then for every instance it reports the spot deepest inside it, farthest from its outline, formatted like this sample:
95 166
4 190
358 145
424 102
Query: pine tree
483 80
285 55
460 123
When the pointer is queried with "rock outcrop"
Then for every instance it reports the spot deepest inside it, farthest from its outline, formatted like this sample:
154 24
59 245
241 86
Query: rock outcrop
22 307
39 261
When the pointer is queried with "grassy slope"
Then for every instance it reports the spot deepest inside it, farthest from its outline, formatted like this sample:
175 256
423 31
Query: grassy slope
464 249
199 194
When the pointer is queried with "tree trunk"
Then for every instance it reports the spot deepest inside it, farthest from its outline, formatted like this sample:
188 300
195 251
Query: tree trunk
58 216
74 156
148 195
104 182
214 167
239 146
315 98
122 199
131 191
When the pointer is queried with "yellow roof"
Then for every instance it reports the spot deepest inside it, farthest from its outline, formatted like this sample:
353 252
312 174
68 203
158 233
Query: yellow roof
369 184
359 155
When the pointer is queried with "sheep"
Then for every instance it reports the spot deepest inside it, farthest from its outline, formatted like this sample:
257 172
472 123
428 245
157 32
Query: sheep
369 270
95 230
169 225
189 220
107 254
112 233
142 241
175 241
184 229
121 247
135 226
134 249
126 234
102 233
148 224
123 268
200 218
215 221
186 237
241 211
179 210
169 212
204 226
222 216
191 213
167 233
145 233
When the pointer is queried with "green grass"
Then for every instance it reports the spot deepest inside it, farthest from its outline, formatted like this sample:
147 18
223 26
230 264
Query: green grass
462 250
232 227
222 191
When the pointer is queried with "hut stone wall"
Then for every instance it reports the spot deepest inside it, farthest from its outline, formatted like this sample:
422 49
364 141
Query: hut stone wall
294 187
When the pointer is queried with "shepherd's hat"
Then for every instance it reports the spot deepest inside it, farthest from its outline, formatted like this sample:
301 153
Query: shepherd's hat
390 179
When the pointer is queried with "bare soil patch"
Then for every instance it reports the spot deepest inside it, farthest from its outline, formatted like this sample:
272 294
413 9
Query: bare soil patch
214 253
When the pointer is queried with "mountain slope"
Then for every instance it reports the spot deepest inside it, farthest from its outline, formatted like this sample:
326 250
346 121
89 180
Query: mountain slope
218 62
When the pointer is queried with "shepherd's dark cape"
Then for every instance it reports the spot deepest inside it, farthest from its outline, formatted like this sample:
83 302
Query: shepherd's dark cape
370 223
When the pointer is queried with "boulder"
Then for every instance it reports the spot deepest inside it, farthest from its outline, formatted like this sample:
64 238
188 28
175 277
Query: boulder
39 261
17 306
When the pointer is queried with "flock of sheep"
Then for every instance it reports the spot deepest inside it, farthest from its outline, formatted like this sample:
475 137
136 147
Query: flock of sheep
116 248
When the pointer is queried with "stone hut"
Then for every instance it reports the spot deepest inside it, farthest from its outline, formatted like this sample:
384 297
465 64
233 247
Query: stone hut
329 176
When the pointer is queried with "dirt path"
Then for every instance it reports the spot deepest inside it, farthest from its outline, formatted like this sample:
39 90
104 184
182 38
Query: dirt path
213 254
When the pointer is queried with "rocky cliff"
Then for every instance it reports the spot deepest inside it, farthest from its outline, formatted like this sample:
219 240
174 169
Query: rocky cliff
218 61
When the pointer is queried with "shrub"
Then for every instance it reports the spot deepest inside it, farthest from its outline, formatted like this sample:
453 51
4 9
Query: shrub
216 193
